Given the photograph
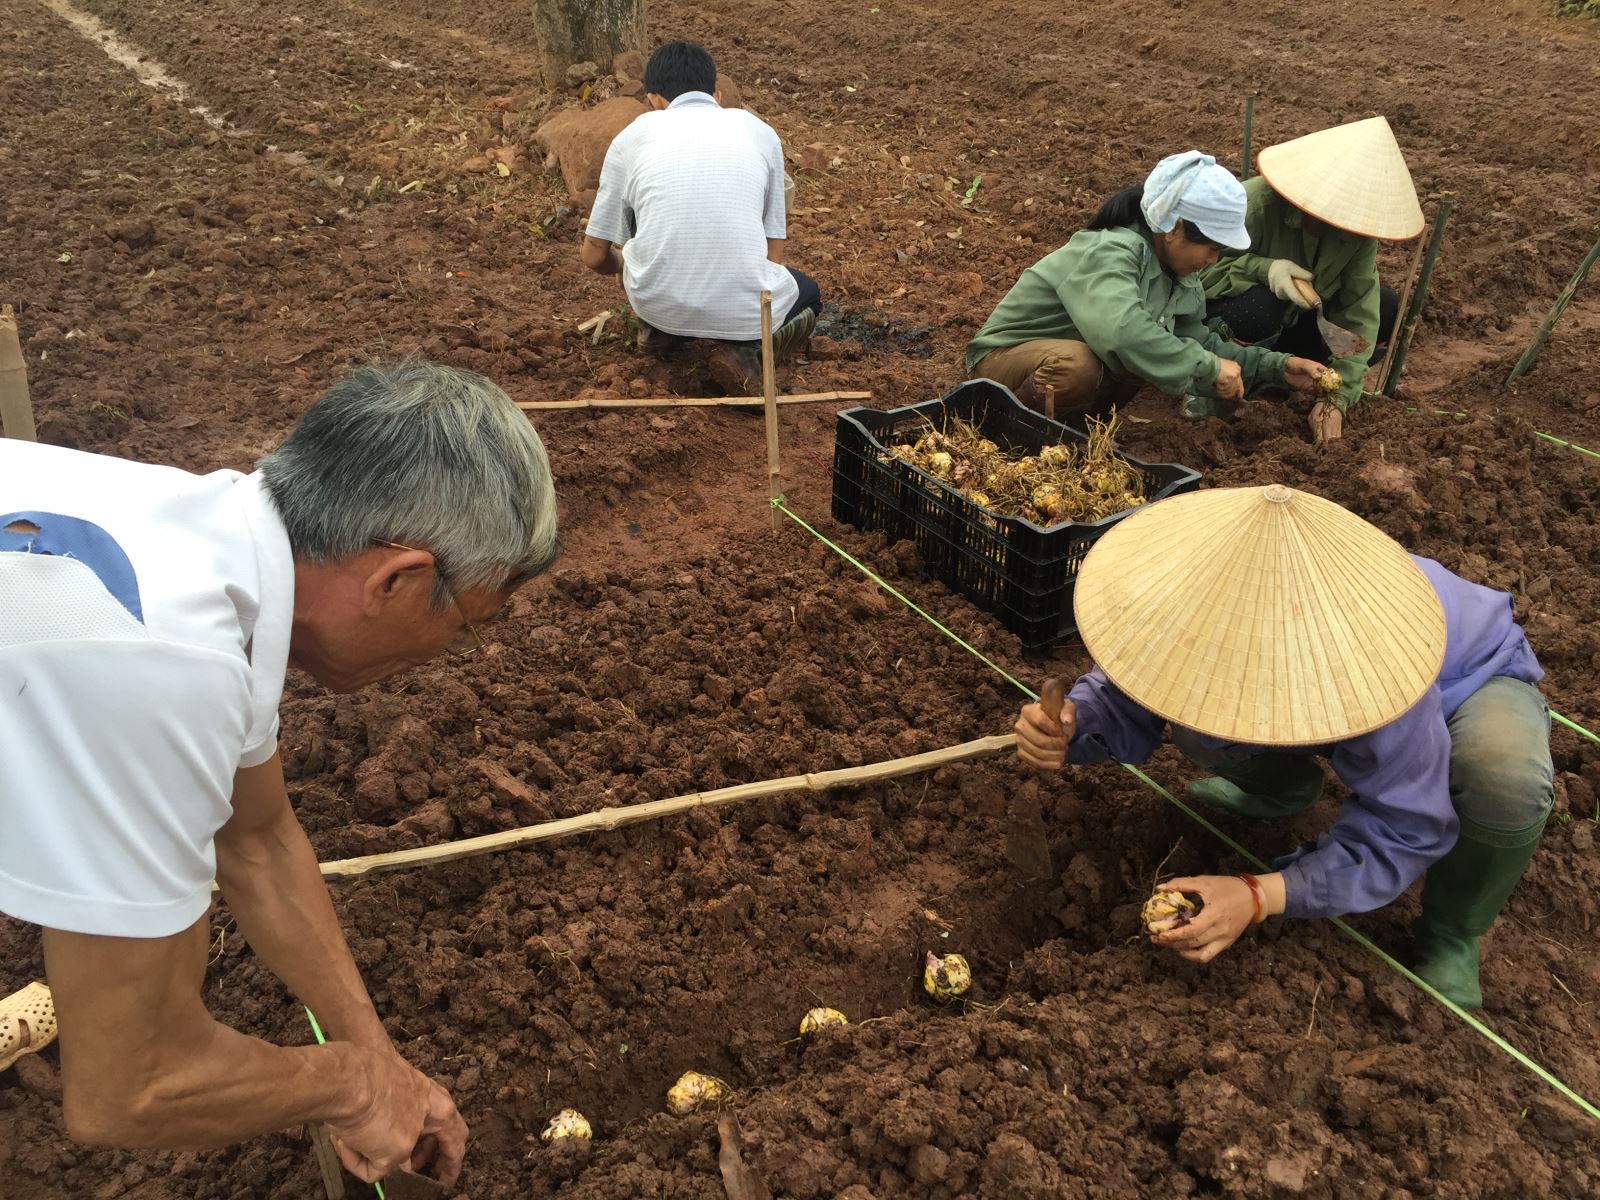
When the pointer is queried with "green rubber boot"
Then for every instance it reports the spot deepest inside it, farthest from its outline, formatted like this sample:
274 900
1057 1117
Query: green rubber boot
1265 787
1464 892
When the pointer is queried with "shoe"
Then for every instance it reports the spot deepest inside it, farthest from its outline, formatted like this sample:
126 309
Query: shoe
736 367
1463 894
794 336
657 344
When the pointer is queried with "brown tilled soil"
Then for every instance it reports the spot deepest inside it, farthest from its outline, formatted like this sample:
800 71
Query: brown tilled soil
218 279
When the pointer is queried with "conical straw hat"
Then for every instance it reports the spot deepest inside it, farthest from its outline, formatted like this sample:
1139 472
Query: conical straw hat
1261 615
1352 176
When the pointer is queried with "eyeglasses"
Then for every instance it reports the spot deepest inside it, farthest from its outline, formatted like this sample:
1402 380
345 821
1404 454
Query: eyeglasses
469 640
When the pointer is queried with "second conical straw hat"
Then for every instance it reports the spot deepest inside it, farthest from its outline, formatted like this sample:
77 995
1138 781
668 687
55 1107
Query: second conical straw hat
1352 176
1261 615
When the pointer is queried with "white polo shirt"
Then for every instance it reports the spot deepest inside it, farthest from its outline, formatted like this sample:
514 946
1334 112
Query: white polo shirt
145 616
695 191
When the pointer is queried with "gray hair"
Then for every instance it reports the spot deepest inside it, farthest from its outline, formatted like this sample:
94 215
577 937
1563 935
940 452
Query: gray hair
426 455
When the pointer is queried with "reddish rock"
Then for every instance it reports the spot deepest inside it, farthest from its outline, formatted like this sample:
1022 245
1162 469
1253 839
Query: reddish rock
628 65
579 138
819 156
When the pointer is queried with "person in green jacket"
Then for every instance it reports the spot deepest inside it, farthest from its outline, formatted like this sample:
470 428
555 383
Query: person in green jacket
1119 306
1315 215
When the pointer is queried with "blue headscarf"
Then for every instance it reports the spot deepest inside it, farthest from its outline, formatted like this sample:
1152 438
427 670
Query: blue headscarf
1191 187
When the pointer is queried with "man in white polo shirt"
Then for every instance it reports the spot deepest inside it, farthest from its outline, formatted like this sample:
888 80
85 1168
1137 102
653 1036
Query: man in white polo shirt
147 617
695 191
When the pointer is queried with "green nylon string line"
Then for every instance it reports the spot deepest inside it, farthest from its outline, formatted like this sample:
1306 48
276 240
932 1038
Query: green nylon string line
1383 956
322 1041
1573 725
778 503
1569 445
1461 416
1366 943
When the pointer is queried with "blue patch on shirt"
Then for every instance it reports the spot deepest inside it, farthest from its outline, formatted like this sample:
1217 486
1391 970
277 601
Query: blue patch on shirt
71 537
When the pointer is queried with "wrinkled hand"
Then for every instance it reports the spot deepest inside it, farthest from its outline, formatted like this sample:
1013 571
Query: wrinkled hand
1227 912
1327 422
1041 742
1230 380
406 1120
1301 374
1280 278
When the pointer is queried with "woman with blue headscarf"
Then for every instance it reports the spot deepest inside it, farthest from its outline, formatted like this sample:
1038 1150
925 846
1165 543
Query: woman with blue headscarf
1118 306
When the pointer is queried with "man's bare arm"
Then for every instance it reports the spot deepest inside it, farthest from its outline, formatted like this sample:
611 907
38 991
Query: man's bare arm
268 873
144 1065
601 256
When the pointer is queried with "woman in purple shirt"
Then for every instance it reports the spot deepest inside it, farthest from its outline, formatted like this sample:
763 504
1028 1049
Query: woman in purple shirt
1269 628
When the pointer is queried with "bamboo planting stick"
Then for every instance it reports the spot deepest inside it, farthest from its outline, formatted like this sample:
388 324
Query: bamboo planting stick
16 409
682 401
769 392
1560 306
328 1164
1405 300
607 819
1249 128
1402 342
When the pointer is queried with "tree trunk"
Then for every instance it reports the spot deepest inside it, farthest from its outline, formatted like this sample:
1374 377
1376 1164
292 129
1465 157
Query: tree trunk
575 31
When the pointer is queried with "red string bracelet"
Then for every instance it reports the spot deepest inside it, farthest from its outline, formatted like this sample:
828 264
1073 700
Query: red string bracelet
1258 896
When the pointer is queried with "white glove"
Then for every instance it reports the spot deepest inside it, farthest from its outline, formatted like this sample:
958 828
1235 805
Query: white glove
1280 278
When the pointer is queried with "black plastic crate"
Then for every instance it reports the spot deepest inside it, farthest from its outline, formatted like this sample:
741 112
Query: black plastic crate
1021 572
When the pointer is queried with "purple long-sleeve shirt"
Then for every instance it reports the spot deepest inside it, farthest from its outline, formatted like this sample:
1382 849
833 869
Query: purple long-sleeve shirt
1398 820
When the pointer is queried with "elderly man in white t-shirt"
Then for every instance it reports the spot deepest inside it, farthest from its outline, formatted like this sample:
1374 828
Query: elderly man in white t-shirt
696 191
147 617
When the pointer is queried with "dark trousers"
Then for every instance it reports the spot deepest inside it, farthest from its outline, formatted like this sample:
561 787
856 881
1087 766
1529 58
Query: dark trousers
810 296
1256 315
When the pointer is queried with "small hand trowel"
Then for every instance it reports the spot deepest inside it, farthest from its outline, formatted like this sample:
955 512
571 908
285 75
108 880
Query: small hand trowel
401 1184
1027 842
1341 342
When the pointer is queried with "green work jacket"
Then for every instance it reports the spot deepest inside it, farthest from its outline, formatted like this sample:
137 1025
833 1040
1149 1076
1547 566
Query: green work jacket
1344 269
1106 288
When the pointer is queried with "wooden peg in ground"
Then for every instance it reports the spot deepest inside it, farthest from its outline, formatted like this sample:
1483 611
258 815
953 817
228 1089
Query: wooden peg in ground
738 1179
328 1164
1027 840
16 409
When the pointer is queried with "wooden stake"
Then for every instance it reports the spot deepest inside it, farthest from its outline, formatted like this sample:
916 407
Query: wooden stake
1560 306
1402 342
1050 401
682 401
607 819
769 391
1405 299
327 1161
16 409
1249 127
